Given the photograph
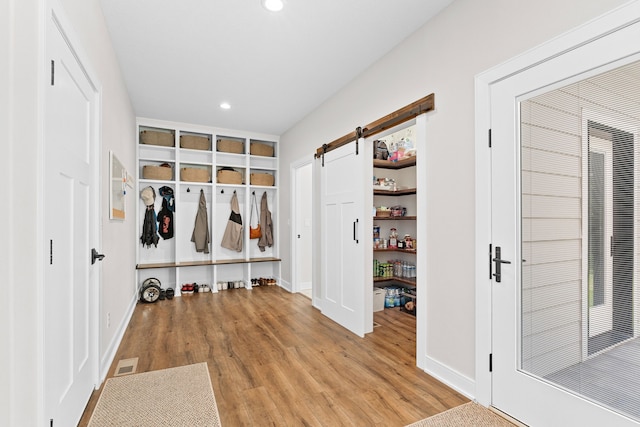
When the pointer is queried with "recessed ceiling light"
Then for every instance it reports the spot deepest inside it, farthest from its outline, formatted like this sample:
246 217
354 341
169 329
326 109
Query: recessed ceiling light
225 105
273 5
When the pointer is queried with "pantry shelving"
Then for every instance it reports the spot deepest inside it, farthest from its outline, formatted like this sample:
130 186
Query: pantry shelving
397 201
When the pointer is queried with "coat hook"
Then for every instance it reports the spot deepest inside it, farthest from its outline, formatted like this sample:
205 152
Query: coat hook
222 191
188 190
253 192
234 191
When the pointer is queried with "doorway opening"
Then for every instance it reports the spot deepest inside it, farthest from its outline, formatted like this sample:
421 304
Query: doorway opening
302 221
611 179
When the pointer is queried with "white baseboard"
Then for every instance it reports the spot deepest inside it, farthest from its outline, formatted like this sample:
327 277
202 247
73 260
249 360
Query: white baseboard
285 285
110 352
450 377
304 286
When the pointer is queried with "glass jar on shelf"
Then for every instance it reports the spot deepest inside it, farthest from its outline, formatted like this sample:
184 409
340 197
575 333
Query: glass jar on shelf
393 238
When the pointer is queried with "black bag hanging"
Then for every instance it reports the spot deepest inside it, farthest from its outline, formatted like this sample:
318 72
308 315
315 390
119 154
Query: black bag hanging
149 231
165 220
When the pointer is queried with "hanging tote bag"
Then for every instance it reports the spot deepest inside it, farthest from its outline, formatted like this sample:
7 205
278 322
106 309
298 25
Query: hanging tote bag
254 232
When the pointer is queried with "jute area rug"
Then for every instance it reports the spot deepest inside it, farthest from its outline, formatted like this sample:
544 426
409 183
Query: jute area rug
469 414
173 397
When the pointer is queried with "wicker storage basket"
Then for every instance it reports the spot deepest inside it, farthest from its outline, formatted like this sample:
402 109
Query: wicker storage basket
261 179
152 137
258 149
194 174
229 177
157 172
194 142
230 146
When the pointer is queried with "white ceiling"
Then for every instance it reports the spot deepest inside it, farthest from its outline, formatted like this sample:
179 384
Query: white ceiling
181 59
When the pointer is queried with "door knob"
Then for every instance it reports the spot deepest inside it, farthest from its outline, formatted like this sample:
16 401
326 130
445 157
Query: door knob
96 256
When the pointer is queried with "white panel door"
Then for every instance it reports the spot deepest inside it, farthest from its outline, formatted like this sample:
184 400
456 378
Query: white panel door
516 390
70 224
342 248
303 227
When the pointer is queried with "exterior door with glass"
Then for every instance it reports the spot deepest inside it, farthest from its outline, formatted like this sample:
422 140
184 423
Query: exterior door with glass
563 214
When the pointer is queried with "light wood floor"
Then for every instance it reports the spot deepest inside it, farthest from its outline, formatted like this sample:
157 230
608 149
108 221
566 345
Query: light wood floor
274 360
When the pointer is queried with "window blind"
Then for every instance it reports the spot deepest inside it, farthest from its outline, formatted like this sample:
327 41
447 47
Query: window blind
580 236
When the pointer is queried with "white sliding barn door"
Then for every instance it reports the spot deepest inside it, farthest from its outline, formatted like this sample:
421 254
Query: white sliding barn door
342 247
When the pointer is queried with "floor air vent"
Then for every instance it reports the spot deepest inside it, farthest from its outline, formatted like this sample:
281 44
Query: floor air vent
126 367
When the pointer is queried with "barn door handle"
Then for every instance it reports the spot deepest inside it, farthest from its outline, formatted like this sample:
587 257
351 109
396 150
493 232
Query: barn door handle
355 232
499 261
96 256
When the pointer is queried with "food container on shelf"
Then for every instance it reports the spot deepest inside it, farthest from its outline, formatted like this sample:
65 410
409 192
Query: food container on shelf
378 299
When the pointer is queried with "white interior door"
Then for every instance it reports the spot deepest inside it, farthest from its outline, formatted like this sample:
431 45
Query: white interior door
303 205
536 223
342 247
70 229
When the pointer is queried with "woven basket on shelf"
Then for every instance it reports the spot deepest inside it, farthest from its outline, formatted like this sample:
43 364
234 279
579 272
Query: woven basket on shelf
229 177
261 179
230 146
194 174
152 137
162 173
258 149
194 142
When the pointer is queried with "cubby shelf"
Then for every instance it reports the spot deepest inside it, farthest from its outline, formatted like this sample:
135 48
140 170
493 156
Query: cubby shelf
200 263
176 261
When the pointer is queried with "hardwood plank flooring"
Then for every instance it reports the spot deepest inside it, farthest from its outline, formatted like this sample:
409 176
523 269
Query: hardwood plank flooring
274 360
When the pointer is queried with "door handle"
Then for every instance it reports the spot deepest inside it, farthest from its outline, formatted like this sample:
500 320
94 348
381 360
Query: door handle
355 230
96 256
499 261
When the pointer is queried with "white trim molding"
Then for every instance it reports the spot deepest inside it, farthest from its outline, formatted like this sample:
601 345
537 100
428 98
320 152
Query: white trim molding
450 377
